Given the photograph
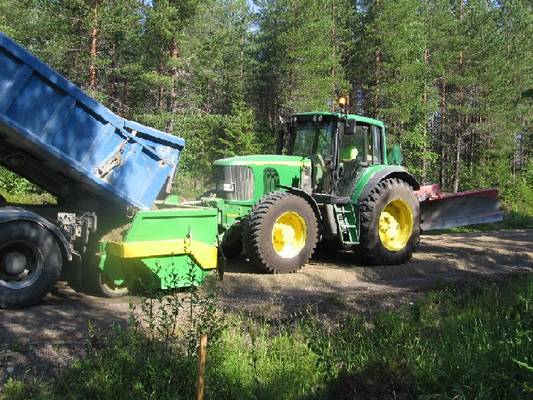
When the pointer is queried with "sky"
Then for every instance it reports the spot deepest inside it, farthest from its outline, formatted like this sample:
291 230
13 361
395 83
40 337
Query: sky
252 5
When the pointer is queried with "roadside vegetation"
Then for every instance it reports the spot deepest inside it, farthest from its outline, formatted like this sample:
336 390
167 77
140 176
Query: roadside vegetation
467 341
16 189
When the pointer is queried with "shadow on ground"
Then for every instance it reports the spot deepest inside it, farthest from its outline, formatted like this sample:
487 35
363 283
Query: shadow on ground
43 338
338 282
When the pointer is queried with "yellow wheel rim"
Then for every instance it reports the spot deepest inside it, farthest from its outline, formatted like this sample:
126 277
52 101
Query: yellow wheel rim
289 234
395 225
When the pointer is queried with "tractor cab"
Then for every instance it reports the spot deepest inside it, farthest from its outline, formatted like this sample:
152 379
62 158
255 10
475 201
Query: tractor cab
340 147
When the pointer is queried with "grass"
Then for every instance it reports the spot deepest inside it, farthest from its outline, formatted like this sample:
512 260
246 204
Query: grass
28 198
472 341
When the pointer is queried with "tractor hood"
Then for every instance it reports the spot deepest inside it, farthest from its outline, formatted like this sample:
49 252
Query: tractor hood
247 179
265 160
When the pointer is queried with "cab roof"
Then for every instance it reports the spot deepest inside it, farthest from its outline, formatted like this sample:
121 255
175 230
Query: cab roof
358 118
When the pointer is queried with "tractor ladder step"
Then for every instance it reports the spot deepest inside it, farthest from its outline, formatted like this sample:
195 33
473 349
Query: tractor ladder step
347 229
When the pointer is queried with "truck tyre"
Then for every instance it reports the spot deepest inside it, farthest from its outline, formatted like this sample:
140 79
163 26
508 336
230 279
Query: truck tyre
281 233
390 223
98 283
30 263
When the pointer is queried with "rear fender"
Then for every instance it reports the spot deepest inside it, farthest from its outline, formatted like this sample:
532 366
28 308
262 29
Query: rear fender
11 214
387 173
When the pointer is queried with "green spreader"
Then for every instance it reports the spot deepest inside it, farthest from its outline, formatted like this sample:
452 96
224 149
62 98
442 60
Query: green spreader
174 247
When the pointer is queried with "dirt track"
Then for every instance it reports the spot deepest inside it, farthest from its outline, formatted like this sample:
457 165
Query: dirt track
45 337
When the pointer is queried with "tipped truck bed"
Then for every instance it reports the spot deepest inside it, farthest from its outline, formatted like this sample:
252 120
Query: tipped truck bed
55 135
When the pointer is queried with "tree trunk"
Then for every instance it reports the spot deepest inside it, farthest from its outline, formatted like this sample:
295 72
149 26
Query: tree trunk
334 52
442 133
425 133
457 161
173 95
461 116
375 101
93 36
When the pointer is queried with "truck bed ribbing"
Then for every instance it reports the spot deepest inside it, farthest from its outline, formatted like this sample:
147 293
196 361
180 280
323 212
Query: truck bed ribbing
55 135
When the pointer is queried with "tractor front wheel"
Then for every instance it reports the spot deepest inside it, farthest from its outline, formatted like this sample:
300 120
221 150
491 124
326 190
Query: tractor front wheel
281 233
390 223
232 242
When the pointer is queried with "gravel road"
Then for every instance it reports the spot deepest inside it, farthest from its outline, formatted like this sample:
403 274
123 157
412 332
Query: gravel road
39 340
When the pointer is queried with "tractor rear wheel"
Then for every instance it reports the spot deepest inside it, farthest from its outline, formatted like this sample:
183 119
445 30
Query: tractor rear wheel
390 223
281 233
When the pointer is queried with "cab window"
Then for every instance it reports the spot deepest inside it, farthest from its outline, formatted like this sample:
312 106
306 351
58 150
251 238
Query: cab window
376 145
312 138
362 146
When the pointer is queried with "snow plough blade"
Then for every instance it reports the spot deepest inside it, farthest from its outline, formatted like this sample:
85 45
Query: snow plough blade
444 210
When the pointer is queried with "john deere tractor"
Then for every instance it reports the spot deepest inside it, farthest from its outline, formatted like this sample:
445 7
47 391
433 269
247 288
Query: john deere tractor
331 182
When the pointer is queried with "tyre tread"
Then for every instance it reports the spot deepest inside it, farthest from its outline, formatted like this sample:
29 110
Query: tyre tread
253 226
371 251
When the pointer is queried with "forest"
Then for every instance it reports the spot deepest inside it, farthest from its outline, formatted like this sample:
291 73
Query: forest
451 79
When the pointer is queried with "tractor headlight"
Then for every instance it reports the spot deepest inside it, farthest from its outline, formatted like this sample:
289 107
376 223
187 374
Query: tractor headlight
225 187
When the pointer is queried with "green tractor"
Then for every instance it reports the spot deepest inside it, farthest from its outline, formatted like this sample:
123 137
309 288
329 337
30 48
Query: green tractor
331 182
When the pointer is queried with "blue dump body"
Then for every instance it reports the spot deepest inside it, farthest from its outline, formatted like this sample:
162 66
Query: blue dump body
58 137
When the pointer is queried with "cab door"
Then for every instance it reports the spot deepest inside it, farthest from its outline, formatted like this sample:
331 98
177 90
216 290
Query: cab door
360 146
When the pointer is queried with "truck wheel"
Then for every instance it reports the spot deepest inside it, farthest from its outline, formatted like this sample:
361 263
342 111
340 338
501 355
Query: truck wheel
390 223
30 263
281 233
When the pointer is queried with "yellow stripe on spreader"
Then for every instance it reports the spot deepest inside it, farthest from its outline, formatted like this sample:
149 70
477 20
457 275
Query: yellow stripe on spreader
287 163
204 254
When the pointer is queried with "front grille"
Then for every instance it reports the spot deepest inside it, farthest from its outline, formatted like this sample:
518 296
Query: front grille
240 176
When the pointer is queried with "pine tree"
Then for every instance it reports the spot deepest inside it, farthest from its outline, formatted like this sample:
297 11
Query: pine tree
395 67
164 74
301 55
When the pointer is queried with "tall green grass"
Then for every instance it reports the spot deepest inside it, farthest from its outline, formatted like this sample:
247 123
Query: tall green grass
469 341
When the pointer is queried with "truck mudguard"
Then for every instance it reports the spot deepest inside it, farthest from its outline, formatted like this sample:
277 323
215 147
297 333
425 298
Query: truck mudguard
11 214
